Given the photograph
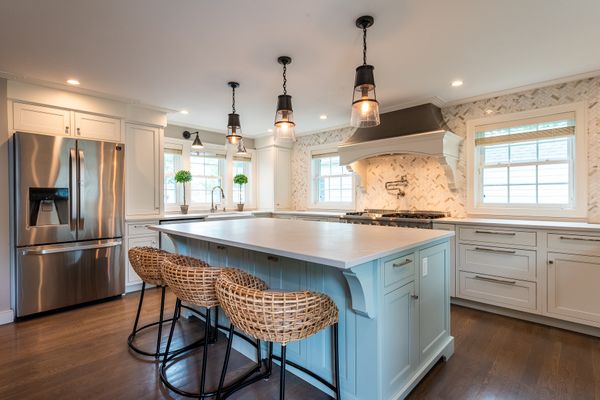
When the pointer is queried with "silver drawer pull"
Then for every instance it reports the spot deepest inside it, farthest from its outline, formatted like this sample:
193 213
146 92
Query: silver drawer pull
272 258
495 250
485 278
584 239
220 247
402 263
496 233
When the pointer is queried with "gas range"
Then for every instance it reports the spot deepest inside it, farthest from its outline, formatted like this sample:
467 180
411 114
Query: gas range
401 218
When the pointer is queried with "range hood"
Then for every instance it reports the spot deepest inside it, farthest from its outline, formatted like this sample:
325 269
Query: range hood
418 130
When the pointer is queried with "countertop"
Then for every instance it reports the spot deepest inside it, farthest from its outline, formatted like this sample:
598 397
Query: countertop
233 214
338 245
518 223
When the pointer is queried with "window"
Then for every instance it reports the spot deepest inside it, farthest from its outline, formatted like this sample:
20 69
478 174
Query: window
332 184
173 162
207 172
529 166
242 165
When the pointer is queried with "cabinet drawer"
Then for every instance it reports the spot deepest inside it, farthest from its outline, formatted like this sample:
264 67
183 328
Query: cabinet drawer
501 292
508 263
398 269
575 244
140 229
497 236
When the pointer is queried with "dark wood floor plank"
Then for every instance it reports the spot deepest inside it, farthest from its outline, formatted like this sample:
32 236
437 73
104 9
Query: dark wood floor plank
82 354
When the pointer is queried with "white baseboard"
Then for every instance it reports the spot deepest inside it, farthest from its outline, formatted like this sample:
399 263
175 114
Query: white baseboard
6 317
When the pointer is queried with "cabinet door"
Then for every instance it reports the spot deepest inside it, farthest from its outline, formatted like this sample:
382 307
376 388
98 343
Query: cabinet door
40 119
283 160
217 255
400 333
142 163
143 241
573 283
434 299
89 126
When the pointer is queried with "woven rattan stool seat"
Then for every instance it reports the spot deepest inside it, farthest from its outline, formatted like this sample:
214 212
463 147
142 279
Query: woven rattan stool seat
146 263
192 280
270 315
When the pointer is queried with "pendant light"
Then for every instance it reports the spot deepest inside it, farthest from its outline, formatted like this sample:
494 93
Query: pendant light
284 117
365 108
234 130
241 149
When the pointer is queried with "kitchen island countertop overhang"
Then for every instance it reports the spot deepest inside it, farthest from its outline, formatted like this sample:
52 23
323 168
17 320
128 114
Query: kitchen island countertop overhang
328 243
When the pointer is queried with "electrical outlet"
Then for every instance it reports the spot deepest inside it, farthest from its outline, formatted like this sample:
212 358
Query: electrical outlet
425 267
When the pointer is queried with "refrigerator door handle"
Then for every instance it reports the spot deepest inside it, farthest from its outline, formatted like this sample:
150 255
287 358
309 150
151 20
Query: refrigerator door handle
73 189
80 190
65 248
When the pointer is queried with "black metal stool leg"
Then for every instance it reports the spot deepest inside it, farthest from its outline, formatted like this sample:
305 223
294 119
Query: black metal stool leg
282 376
336 360
270 360
205 354
177 307
226 362
160 322
139 309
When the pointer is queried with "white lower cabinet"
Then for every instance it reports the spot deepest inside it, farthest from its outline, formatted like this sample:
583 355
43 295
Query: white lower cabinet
138 236
574 287
511 293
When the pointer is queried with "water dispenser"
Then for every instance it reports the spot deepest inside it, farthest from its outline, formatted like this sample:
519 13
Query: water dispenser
48 206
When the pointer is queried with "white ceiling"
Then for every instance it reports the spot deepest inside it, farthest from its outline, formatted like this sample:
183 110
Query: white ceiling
180 54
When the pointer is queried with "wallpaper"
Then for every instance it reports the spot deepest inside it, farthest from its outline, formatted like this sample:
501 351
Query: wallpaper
427 184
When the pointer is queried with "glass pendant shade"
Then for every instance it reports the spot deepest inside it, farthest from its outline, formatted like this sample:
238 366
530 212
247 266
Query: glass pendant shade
197 144
365 107
234 130
241 149
284 119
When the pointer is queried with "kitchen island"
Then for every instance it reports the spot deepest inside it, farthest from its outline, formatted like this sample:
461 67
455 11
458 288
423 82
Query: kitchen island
390 284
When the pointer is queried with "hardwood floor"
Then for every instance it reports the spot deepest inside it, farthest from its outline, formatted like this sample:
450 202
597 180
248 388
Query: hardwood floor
82 354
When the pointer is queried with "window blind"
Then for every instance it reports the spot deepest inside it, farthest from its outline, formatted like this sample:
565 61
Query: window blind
326 153
552 126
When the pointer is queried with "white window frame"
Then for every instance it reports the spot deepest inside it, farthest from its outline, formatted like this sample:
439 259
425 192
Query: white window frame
249 187
329 205
579 206
179 146
230 202
216 149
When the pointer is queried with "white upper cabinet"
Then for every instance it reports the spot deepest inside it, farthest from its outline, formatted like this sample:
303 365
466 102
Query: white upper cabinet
90 126
142 170
41 119
283 162
274 175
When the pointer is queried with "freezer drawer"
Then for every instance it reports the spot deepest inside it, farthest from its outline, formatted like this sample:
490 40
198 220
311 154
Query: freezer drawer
55 276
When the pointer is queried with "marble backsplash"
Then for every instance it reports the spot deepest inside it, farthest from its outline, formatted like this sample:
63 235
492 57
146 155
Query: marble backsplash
428 186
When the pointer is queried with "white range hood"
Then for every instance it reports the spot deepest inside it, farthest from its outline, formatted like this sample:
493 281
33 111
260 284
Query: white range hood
407 131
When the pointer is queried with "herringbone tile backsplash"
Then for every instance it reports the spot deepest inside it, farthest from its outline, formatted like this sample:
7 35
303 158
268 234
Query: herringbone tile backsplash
428 185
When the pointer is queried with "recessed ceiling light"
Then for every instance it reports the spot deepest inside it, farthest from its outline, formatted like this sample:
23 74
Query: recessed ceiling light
184 112
323 116
489 111
269 130
73 82
457 83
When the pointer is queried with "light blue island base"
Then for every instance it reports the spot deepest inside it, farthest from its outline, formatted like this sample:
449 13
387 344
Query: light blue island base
394 313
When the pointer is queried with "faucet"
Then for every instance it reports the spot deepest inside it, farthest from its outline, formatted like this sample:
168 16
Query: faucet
213 208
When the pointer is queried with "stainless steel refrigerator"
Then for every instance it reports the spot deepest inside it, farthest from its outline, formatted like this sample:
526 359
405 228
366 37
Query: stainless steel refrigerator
68 216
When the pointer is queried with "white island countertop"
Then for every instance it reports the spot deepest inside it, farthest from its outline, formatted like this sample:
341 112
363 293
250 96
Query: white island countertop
329 243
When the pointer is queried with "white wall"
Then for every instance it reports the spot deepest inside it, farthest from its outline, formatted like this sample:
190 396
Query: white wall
6 314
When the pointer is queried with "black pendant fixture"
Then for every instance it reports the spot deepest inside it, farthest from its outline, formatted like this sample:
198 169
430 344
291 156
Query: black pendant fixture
234 130
284 117
365 108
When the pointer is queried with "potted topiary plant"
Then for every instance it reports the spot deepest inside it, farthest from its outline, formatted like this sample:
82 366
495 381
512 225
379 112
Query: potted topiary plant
183 177
240 179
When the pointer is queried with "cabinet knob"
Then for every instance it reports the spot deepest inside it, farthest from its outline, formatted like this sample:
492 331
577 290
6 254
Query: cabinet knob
66 129
415 296
550 262
78 131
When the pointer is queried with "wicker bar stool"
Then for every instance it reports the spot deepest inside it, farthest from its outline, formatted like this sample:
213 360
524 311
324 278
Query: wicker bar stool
146 263
280 317
194 286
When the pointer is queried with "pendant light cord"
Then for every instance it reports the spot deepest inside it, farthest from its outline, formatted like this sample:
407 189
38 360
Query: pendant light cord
364 46
233 99
285 78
